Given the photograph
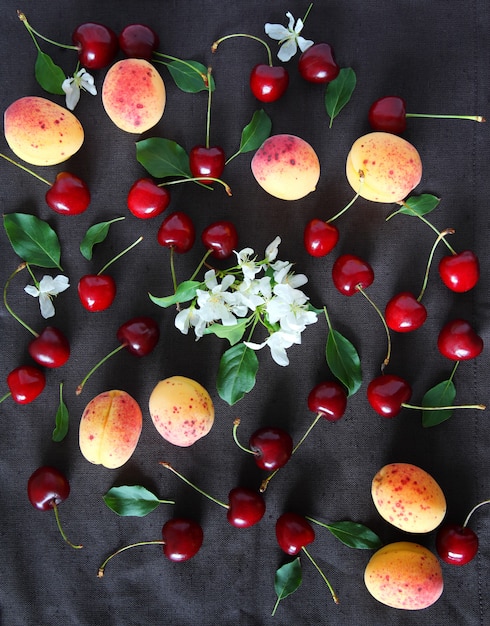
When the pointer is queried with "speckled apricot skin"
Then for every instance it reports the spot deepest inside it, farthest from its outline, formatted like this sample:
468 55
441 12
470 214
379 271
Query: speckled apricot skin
286 167
133 95
110 428
41 132
391 167
408 497
182 410
404 575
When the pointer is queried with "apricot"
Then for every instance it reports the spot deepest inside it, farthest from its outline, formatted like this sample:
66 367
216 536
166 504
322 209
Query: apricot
110 428
391 167
404 575
133 95
286 167
182 410
408 497
41 132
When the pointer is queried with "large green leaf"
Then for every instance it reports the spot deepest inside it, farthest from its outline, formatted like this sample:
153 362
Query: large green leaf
184 292
62 419
33 239
189 76
132 500
49 75
352 534
95 234
163 157
287 579
236 373
233 333
443 394
343 360
420 205
339 92
255 133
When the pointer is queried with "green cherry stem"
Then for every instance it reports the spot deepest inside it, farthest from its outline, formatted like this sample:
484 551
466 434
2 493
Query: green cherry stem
236 423
201 264
348 206
188 482
4 397
118 256
218 41
426 221
480 407
159 55
325 579
7 305
190 179
155 542
473 118
447 231
26 169
208 112
33 32
96 367
382 318
473 510
62 532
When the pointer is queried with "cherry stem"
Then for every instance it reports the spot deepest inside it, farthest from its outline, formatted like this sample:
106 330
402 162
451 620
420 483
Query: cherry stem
480 407
203 261
154 542
198 180
186 63
203 493
307 12
208 112
33 32
58 523
26 169
348 206
7 395
120 255
473 118
325 579
447 231
387 330
236 423
426 221
172 268
7 306
473 510
218 41
96 367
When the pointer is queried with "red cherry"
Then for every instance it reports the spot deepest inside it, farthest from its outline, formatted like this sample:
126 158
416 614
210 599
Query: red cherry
207 163
138 41
388 114
26 382
350 272
455 544
97 291
458 341
268 83
272 447
460 272
97 45
182 539
177 232
405 313
221 238
146 199
139 335
387 394
68 195
47 487
319 237
328 398
245 507
50 348
293 532
317 64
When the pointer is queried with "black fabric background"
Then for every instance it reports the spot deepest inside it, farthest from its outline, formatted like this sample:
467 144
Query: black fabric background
436 55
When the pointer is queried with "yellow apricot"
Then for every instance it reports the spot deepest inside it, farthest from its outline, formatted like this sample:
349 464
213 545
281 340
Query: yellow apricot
41 132
404 575
286 167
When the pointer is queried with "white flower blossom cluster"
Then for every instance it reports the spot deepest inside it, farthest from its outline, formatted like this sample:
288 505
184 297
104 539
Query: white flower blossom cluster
265 292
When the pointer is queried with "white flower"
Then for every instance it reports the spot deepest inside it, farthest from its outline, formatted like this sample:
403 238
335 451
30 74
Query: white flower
289 308
48 287
272 250
283 275
216 303
289 38
72 85
255 292
248 265
278 343
190 318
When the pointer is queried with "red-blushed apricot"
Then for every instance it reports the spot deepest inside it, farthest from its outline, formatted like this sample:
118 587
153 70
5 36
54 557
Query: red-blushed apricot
133 95
404 575
41 132
408 497
286 167
182 410
110 428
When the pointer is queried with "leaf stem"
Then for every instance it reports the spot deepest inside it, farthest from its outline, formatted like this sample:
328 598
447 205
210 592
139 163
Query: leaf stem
26 169
382 318
447 231
325 579
7 306
155 542
188 482
120 255
56 514
218 41
473 510
96 367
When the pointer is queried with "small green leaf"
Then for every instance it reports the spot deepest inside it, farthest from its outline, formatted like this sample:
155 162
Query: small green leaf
236 373
232 333
287 579
189 75
343 360
184 292
163 157
255 133
443 394
339 92
49 75
95 234
420 205
33 239
352 534
132 500
62 418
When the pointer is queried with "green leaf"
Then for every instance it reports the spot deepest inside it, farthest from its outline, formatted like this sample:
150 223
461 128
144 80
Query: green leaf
232 333
443 394
287 579
352 534
33 239
62 418
339 92
184 292
343 360
255 132
132 500
95 234
420 205
188 75
163 157
49 75
236 373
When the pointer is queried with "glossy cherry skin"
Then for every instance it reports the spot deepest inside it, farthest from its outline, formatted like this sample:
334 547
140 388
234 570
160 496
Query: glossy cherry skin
458 341
207 163
139 335
245 507
26 382
387 394
138 41
460 272
69 195
177 231
221 238
272 447
146 199
293 532
182 539
320 238
97 45
317 64
96 291
405 313
268 83
388 114
350 272
47 487
328 398
455 544
50 348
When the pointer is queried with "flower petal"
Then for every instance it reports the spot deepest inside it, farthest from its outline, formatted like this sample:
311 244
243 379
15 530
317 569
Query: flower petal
46 306
304 44
276 31
32 291
287 50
